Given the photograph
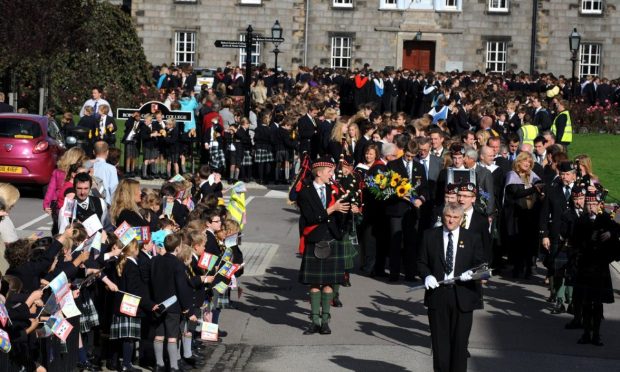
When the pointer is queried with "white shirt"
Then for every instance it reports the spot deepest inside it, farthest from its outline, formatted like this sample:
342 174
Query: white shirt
63 221
455 243
91 102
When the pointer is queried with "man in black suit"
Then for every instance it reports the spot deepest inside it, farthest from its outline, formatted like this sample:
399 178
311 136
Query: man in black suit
473 220
555 205
308 130
403 214
432 166
542 118
462 119
448 252
484 182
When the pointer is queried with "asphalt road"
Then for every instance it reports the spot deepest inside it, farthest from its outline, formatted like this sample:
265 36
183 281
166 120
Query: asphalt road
382 326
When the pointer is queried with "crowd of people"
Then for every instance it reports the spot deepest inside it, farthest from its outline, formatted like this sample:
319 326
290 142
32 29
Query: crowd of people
485 158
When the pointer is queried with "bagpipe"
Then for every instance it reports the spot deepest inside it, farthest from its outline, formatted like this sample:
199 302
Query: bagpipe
480 272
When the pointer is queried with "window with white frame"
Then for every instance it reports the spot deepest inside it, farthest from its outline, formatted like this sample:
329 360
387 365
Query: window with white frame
184 47
255 53
388 4
496 56
498 5
589 59
592 6
250 1
341 52
342 3
451 4
187 1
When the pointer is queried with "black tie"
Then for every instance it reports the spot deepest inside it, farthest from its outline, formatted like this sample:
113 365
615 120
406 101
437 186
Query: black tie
449 255
566 192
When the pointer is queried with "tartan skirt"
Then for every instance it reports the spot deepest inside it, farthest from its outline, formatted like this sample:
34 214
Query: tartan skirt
218 160
350 251
151 153
263 156
247 158
131 150
89 318
124 327
322 271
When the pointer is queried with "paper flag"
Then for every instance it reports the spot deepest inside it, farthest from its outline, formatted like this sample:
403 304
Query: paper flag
221 287
129 305
168 208
228 269
231 240
92 242
60 286
122 229
207 261
92 224
143 233
5 341
128 236
62 328
4 315
169 302
69 207
209 331
177 178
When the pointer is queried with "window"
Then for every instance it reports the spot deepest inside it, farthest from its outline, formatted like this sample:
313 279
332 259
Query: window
496 56
451 4
498 5
341 52
186 1
184 47
592 6
255 53
589 59
388 4
251 2
343 3
448 5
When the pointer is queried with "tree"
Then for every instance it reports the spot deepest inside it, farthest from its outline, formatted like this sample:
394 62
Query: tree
71 46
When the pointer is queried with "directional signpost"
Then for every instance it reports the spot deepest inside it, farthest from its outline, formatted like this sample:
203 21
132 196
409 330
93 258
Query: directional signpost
250 39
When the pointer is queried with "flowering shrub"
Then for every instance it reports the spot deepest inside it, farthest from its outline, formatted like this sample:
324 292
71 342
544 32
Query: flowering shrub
602 117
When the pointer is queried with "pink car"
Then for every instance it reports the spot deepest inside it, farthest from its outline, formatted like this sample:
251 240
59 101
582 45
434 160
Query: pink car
28 151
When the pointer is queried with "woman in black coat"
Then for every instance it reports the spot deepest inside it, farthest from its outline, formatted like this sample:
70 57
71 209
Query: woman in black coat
125 204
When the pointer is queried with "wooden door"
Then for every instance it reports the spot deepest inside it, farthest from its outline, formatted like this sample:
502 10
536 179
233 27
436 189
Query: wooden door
419 55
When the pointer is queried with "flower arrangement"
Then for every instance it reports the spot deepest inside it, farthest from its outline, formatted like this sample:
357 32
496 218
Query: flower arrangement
385 185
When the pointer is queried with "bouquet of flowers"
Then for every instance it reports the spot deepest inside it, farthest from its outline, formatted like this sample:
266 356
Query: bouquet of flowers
385 185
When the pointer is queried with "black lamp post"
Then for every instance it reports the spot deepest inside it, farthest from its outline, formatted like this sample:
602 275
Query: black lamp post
574 41
276 33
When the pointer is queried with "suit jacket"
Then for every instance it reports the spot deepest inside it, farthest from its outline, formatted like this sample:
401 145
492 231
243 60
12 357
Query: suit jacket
553 207
432 261
397 207
542 119
479 225
435 165
314 213
308 136
462 121
484 181
168 279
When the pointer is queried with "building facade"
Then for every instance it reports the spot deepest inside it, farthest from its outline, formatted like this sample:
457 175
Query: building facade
439 35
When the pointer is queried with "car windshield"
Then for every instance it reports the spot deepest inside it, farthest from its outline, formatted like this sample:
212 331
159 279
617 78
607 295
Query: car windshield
19 128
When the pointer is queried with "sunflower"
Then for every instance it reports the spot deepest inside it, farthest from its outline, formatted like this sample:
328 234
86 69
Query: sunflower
383 183
379 178
401 191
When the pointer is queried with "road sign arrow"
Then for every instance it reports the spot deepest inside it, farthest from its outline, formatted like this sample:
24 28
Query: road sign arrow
229 44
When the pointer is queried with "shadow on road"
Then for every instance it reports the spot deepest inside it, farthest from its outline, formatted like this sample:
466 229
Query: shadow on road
354 364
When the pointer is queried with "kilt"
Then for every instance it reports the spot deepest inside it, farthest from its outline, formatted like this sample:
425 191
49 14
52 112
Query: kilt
151 153
282 155
322 271
350 251
263 156
124 327
247 158
217 159
131 150
89 317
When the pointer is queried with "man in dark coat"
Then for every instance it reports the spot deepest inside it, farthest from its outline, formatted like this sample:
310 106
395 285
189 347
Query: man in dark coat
473 220
322 263
308 130
448 253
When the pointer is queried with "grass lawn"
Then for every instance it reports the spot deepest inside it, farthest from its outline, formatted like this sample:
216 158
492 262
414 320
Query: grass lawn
604 149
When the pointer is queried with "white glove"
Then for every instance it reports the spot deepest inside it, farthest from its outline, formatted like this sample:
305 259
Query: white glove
466 276
430 282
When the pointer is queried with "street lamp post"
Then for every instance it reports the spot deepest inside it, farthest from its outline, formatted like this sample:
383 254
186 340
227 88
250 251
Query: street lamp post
276 33
574 40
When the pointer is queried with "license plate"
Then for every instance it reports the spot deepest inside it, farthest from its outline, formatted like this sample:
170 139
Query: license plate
10 169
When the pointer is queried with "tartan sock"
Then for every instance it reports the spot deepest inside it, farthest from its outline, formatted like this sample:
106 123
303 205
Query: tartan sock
315 307
158 347
173 354
326 302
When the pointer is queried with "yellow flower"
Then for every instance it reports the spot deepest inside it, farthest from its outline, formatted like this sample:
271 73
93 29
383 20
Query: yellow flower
396 177
401 191
379 178
407 187
383 183
394 183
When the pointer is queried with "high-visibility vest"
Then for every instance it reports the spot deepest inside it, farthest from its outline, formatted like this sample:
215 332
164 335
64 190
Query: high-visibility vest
567 136
530 132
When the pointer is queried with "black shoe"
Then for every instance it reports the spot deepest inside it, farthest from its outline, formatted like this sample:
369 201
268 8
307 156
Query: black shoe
336 302
596 340
111 365
87 366
130 369
393 279
585 339
573 325
558 309
381 274
193 362
159 368
221 333
570 309
410 278
312 329
325 329
551 298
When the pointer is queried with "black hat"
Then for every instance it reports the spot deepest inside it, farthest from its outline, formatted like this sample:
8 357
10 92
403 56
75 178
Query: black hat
324 162
566 166
469 187
593 196
578 191
452 188
457 148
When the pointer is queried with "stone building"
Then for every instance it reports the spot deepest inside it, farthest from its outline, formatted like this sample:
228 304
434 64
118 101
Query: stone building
438 35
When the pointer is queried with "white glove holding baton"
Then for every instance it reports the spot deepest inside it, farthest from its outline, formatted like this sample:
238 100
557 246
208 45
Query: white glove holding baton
430 282
467 275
